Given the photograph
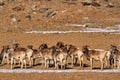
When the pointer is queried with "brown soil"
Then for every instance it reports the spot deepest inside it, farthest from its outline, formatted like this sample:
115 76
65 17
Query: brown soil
23 15
60 76
65 13
95 40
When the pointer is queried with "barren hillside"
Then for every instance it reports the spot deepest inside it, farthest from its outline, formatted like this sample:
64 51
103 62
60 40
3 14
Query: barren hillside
27 15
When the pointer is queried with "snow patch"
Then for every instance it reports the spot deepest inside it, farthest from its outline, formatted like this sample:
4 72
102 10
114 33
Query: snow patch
118 26
78 25
86 30
56 71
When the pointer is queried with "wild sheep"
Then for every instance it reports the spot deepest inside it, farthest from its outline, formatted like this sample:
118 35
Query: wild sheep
4 54
93 54
17 47
35 54
45 53
60 59
53 53
74 52
115 56
18 56
71 51
21 56
108 57
28 52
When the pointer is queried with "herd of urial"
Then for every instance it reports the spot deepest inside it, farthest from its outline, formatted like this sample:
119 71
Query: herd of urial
59 54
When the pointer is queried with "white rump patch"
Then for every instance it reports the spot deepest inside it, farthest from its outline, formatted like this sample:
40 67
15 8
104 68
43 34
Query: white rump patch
98 49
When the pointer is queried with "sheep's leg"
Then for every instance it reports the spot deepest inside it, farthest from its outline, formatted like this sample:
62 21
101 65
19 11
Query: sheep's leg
45 63
106 61
80 58
25 64
8 60
81 61
22 65
91 63
19 63
53 62
11 63
114 63
72 61
31 62
49 64
65 59
63 66
34 62
56 64
14 62
102 64
118 63
75 62
3 59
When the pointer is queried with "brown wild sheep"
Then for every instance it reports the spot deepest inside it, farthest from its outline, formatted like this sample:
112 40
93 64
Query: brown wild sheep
74 52
115 56
94 55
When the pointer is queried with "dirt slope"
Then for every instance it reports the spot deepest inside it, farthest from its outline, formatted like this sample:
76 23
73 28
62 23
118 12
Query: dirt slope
23 15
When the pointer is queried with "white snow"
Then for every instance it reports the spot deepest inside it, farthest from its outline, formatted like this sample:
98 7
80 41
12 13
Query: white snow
118 26
56 71
86 30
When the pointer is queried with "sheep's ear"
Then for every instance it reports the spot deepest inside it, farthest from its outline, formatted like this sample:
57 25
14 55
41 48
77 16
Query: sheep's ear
3 47
88 46
8 46
111 45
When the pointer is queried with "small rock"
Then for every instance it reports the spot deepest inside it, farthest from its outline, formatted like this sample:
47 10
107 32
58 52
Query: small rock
96 4
86 2
13 18
42 10
50 14
33 7
91 3
110 5
2 4
18 8
29 11
28 17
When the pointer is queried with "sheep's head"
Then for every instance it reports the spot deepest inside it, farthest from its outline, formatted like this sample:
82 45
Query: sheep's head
85 48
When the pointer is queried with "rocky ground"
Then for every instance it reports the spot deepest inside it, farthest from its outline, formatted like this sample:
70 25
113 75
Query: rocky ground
27 15
20 16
